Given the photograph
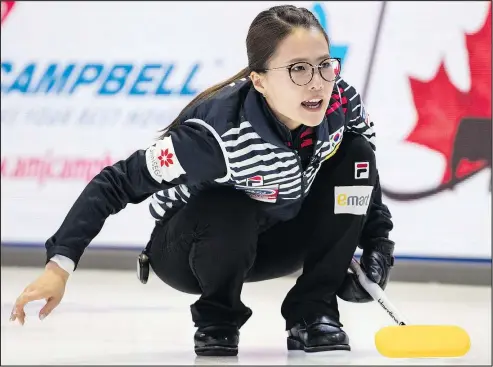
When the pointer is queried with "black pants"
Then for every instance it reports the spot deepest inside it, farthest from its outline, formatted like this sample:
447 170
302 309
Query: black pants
213 245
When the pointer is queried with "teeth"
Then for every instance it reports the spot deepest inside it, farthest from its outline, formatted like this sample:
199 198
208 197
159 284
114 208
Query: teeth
314 100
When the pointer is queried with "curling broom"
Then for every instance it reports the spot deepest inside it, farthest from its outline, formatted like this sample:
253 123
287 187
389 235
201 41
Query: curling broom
412 341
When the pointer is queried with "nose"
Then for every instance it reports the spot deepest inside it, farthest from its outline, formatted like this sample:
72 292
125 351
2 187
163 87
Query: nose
317 82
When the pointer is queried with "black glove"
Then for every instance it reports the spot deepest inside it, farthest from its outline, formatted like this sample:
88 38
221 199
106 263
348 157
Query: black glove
376 261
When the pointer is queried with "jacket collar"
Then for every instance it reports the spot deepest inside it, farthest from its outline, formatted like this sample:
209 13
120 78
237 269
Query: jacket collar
264 122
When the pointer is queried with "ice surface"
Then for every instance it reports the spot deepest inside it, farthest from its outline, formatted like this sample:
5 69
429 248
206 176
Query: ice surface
109 317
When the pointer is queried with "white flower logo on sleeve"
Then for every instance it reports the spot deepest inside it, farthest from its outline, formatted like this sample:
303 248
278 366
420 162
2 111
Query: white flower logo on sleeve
162 162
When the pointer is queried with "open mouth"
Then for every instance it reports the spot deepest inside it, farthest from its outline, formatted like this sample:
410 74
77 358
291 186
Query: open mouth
312 104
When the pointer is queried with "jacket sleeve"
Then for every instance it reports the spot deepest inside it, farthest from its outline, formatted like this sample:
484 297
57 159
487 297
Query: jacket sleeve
190 153
379 221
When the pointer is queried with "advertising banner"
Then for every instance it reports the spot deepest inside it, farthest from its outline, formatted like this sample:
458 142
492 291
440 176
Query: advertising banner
430 98
84 84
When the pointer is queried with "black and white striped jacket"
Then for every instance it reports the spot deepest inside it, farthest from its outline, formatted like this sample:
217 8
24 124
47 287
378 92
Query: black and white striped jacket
252 156
226 140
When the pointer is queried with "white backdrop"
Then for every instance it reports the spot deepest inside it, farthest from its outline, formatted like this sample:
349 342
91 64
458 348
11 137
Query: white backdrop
86 83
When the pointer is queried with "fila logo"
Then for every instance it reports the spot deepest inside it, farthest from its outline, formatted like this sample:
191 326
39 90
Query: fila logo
255 181
361 170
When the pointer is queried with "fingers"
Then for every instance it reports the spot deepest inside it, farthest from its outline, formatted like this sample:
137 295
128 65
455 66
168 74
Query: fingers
26 297
372 269
50 306
375 273
29 296
18 314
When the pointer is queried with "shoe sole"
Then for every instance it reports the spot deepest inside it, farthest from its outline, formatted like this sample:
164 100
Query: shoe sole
216 351
297 345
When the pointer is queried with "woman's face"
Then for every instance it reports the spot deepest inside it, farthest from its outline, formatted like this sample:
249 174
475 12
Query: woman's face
298 104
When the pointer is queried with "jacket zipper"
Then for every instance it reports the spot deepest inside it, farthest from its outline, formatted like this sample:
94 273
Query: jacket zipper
302 174
298 159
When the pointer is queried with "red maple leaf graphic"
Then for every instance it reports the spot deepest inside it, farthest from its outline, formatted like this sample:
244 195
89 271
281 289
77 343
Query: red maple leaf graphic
441 107
6 8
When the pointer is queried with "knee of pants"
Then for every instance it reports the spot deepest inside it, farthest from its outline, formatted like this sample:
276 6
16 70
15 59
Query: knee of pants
217 224
183 281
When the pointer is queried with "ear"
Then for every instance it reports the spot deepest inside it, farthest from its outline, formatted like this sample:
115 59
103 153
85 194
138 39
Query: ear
258 82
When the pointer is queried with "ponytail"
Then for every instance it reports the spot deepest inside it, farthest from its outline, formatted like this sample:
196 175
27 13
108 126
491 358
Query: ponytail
244 73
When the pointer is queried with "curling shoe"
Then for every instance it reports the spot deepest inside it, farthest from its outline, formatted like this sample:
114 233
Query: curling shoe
217 340
322 334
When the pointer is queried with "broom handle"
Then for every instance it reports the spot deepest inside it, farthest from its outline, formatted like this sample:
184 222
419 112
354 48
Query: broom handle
376 292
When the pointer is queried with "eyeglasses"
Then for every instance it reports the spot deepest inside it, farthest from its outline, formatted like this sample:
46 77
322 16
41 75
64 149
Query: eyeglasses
301 73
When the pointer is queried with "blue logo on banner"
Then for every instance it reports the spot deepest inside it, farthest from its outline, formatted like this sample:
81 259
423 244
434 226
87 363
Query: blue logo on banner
103 79
336 50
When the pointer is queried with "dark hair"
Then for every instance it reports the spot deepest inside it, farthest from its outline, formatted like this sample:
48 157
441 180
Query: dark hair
267 30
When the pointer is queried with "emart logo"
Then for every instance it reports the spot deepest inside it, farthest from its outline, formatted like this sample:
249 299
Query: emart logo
352 199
